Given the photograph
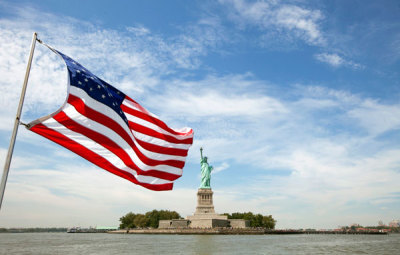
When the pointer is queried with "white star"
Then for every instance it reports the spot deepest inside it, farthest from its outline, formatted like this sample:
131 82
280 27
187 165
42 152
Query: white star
79 82
78 71
98 86
118 92
91 77
103 96
86 80
109 94
73 62
91 89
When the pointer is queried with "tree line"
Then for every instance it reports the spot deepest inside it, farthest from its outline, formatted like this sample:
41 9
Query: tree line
148 220
256 220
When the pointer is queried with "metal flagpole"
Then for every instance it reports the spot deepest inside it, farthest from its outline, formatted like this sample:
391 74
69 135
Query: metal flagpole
16 123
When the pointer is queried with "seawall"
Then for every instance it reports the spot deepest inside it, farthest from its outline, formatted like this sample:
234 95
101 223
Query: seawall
230 231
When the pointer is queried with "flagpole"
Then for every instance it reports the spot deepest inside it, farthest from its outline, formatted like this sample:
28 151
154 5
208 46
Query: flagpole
17 122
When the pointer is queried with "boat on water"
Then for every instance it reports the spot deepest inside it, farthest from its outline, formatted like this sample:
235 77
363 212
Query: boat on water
74 230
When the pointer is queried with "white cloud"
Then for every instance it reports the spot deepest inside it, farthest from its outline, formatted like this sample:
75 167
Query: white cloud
291 20
332 59
302 21
220 168
212 103
336 60
377 118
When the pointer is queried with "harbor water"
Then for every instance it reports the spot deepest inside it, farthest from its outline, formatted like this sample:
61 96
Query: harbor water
102 243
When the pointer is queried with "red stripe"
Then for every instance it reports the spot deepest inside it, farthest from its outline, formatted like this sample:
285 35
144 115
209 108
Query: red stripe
110 123
93 157
80 106
162 150
63 119
153 120
150 132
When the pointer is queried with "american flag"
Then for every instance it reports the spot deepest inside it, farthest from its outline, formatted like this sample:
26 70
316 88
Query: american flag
111 130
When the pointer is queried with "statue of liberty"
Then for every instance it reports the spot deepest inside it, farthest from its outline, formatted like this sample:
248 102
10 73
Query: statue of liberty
205 172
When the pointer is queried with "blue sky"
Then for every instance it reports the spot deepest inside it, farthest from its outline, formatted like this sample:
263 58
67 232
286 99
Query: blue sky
296 104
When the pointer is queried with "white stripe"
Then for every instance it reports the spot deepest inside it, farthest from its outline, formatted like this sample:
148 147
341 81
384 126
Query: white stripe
104 109
185 130
72 113
99 107
110 133
154 126
137 107
100 150
159 142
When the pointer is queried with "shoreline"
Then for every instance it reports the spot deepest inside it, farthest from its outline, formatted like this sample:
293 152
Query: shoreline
227 231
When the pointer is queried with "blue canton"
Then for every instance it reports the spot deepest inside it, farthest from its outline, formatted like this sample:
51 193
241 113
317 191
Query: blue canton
95 87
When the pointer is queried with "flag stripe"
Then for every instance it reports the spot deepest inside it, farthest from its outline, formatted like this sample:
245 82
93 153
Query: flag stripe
129 102
161 149
160 142
146 176
114 148
99 107
156 128
140 114
127 141
89 128
93 157
94 104
150 132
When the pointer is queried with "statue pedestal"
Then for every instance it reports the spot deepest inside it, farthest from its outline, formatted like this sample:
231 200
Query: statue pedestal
204 202
205 216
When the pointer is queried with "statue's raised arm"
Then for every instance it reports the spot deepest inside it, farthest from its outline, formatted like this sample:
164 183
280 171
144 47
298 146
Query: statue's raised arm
201 153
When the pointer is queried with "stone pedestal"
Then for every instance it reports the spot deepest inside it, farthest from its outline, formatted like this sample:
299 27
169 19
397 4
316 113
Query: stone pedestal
205 216
205 203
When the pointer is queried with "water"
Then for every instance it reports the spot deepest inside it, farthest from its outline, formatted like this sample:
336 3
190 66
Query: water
63 243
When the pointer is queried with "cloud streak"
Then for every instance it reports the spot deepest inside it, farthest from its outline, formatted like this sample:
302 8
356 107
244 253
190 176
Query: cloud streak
285 19
336 60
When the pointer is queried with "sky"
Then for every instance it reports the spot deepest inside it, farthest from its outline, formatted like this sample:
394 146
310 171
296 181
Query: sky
296 104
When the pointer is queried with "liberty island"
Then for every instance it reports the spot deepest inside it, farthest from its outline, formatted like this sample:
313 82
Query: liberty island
204 220
205 216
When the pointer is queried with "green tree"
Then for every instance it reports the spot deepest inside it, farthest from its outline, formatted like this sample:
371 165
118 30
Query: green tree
127 221
256 220
268 222
141 221
149 219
